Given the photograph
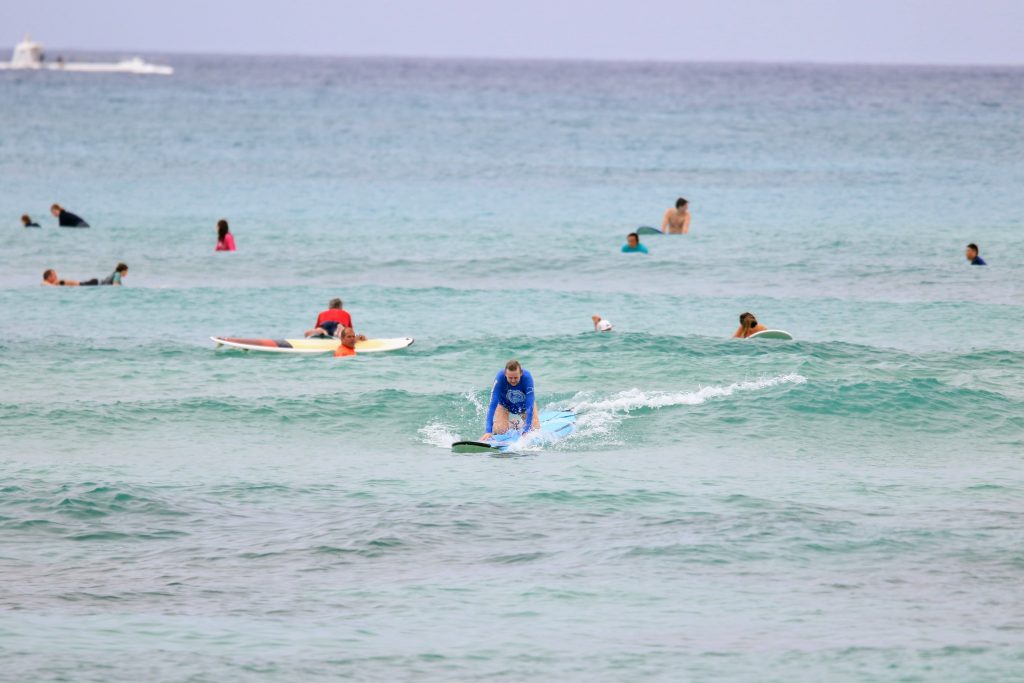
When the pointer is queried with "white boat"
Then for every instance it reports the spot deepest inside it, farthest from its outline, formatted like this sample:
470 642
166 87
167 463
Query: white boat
28 54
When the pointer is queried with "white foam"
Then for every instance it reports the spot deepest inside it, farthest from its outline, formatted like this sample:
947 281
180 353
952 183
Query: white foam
438 434
471 396
633 399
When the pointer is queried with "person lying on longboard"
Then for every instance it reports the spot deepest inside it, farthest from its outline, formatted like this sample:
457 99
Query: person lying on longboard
511 395
332 322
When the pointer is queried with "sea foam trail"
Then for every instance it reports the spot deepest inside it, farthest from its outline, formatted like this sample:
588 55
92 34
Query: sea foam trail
438 434
634 399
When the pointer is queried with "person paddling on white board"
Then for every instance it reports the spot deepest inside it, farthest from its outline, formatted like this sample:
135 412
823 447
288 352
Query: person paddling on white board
512 396
677 220
748 326
66 219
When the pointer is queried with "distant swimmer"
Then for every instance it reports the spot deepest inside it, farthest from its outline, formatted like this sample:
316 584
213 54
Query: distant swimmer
331 323
66 219
348 343
632 245
748 326
973 257
121 271
677 220
51 279
600 324
225 240
26 222
511 396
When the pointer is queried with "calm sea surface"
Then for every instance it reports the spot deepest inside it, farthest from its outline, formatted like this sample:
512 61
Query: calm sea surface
845 507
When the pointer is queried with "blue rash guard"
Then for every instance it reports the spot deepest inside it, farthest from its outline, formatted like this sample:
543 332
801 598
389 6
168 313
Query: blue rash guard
517 399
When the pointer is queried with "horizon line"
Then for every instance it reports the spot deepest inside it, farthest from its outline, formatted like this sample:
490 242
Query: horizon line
586 59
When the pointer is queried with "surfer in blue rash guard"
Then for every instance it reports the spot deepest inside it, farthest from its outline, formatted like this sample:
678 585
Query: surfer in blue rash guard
512 394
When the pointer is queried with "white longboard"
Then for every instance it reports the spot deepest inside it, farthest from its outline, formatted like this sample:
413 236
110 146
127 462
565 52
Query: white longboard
771 334
311 345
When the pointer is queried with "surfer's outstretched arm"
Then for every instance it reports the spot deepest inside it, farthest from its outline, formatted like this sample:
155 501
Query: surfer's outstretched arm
491 408
531 402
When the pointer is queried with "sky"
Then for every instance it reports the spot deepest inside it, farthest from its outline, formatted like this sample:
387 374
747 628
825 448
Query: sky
844 31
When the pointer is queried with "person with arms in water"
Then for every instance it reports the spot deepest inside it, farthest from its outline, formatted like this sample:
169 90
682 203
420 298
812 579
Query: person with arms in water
748 326
26 221
632 245
66 219
972 255
348 343
115 278
511 395
600 324
225 240
677 220
50 279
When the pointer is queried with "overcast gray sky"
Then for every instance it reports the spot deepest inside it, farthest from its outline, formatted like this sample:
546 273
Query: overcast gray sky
903 31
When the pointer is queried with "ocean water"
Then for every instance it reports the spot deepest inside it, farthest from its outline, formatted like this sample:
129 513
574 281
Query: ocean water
845 507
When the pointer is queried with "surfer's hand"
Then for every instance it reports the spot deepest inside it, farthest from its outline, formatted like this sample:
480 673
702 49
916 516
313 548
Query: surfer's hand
486 436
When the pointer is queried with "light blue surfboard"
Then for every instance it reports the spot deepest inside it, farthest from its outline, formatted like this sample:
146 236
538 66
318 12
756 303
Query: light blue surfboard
554 425
648 230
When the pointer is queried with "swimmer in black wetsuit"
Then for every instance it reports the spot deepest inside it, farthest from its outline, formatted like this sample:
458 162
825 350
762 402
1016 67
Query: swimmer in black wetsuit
66 219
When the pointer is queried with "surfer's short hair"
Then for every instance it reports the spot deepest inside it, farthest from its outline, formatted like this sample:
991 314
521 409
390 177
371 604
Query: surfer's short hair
121 267
58 207
973 246
680 203
634 234
25 218
47 273
334 303
513 365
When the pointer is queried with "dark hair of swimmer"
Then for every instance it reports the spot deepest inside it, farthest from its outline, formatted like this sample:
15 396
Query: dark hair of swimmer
222 229
973 246
680 203
744 316
633 234
56 207
513 365
25 219
121 268
334 303
47 273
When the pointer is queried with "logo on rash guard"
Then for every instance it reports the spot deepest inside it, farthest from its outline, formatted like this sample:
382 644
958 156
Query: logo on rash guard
515 396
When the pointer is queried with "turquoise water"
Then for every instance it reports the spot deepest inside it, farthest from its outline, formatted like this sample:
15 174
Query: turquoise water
847 506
